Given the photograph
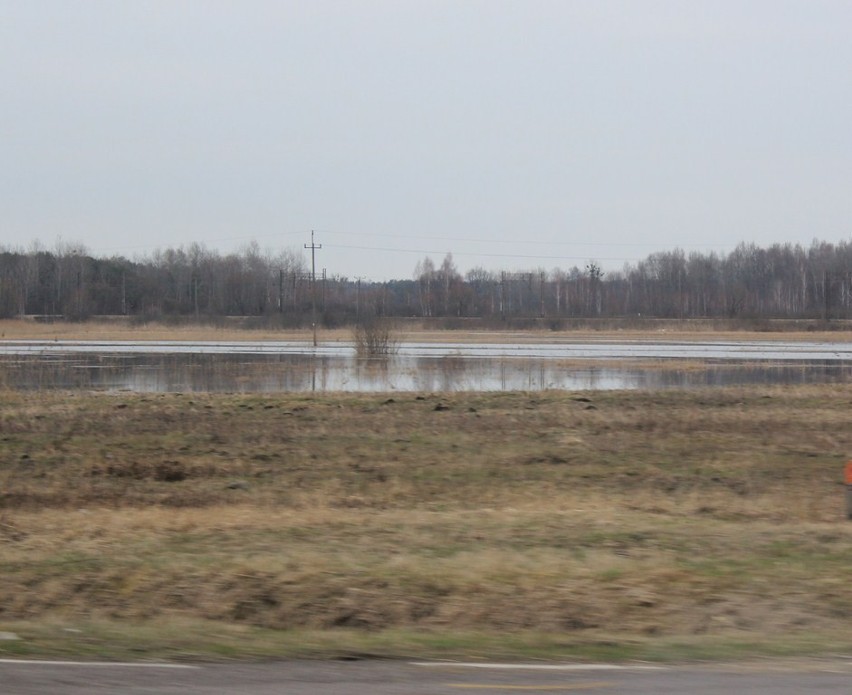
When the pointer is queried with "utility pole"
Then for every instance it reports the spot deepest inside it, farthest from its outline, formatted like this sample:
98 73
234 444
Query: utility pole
313 247
123 293
502 295
358 299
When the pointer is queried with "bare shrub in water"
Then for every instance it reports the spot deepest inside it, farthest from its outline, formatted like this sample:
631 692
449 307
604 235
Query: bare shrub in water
375 338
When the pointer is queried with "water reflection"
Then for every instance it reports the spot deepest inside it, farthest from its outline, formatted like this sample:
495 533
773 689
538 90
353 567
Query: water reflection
226 372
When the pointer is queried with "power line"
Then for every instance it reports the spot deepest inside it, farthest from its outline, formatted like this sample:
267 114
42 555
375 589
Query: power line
454 239
475 254
202 242
527 242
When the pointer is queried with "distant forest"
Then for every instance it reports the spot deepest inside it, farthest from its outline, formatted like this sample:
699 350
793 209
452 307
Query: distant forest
782 281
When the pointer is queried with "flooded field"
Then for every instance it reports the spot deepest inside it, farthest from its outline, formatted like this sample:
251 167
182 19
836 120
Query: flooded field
168 366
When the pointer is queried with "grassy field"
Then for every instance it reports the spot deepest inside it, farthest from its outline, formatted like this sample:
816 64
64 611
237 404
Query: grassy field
648 525
411 330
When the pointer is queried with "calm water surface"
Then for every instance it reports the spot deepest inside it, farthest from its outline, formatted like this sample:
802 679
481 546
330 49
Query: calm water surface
297 367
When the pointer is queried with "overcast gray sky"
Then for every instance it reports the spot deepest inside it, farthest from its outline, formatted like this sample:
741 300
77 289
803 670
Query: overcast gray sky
515 135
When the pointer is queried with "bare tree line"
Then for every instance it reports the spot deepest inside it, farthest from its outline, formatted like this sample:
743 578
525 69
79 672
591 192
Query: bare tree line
781 281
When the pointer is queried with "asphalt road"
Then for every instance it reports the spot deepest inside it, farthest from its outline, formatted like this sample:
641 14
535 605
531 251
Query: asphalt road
407 678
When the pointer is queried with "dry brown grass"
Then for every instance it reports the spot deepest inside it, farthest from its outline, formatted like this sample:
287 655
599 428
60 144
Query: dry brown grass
19 329
119 329
609 517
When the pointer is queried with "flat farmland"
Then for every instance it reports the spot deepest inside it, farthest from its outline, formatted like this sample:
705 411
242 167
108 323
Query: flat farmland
407 330
676 524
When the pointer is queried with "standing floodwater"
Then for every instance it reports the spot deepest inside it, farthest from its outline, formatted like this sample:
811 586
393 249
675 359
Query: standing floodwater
294 367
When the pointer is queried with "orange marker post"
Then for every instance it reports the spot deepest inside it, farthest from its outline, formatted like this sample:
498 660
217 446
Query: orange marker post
847 478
